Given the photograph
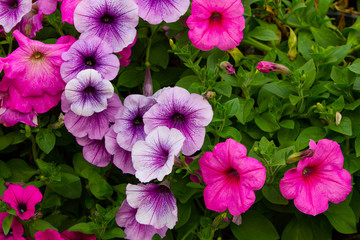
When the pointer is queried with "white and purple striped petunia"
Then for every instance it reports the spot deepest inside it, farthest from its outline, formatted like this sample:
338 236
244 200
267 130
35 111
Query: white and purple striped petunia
95 152
11 12
113 21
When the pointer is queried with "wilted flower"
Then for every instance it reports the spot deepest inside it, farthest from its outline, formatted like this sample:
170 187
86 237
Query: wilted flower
48 234
11 12
177 108
112 20
318 179
216 23
154 157
156 11
228 67
231 178
22 200
89 53
16 229
266 67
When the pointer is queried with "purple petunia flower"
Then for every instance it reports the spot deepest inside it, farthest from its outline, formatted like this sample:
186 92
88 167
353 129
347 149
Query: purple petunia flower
88 93
112 20
94 126
11 12
155 204
31 22
154 157
177 108
121 157
94 151
125 217
129 122
156 11
89 53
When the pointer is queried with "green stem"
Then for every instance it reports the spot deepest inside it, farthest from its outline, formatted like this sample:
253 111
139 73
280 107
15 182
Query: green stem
257 44
147 61
10 39
34 150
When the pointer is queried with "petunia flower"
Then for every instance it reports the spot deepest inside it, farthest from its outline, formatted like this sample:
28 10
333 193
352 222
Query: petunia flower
48 6
16 229
125 217
89 53
156 11
266 67
22 200
121 157
231 178
154 157
129 122
48 234
318 179
88 93
66 235
126 53
31 22
177 108
37 66
11 12
94 126
94 151
216 23
155 204
111 20
68 9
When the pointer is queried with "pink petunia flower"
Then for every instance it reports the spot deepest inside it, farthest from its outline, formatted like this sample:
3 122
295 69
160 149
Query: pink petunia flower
318 179
16 229
22 200
48 234
37 66
216 23
48 6
66 235
231 178
126 54
68 9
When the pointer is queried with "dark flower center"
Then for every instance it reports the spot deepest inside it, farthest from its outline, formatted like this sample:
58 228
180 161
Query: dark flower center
89 90
22 208
13 4
37 55
10 234
89 61
138 121
307 171
232 173
215 16
163 190
107 19
178 118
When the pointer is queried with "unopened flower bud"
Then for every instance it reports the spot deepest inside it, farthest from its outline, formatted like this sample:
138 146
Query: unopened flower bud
266 67
338 118
209 95
300 155
148 87
60 123
320 107
228 67
172 44
237 219
218 220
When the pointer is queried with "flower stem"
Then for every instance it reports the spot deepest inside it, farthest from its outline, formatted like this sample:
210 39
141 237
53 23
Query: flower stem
257 44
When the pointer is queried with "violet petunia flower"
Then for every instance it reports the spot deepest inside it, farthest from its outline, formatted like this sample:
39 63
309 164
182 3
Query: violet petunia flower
155 204
88 93
111 20
22 200
121 157
68 9
94 151
11 12
16 229
154 157
318 179
231 178
177 108
37 66
48 234
156 11
216 23
66 235
129 122
31 22
94 126
89 53
125 217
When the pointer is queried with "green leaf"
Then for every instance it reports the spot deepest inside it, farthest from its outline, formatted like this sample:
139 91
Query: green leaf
342 218
297 230
250 230
184 213
83 167
87 228
21 171
159 55
6 224
357 146
343 128
232 107
290 124
5 171
339 75
294 99
231 132
355 66
69 186
324 36
314 133
46 139
131 78
223 88
40 225
245 108
267 122
281 156
263 34
99 186
272 193
233 81
5 141
187 81
277 89
117 233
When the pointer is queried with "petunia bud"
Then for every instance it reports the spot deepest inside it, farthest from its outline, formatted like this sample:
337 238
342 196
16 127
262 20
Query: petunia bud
266 67
299 156
228 67
292 43
237 219
338 118
172 44
148 87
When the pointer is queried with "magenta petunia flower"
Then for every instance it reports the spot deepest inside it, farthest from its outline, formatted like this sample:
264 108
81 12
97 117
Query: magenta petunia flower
16 229
94 151
155 204
22 200
177 108
31 22
89 53
125 217
11 12
88 93
112 20
66 235
121 157
154 157
216 23
94 126
47 6
68 9
129 122
37 66
156 11
231 178
318 179
126 53
48 234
